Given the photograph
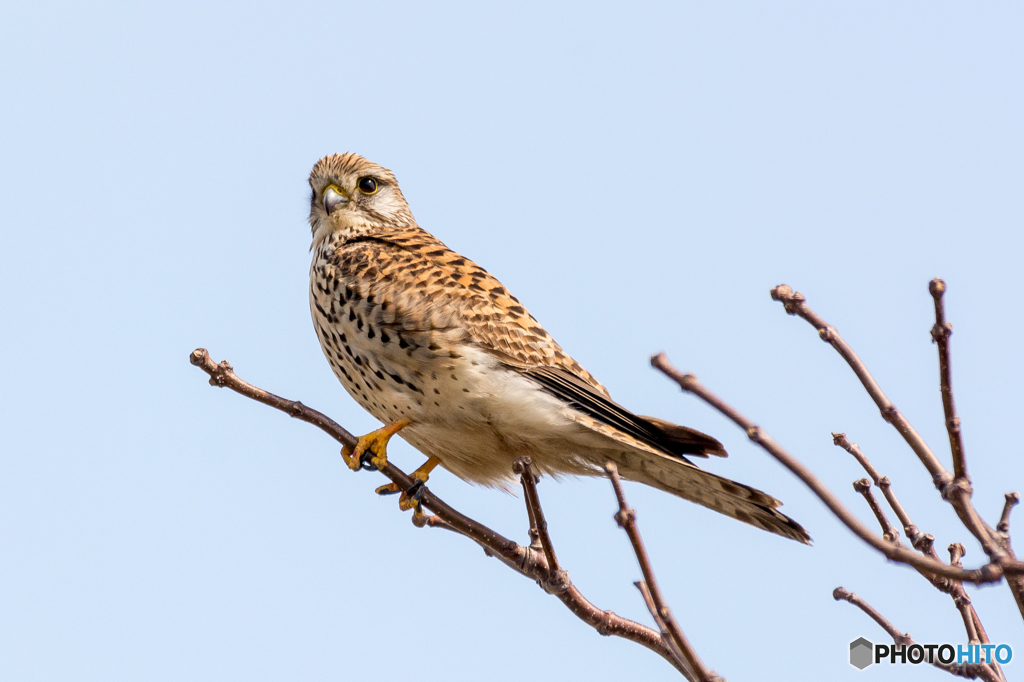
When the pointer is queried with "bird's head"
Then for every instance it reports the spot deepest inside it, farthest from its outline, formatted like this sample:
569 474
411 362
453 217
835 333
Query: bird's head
355 197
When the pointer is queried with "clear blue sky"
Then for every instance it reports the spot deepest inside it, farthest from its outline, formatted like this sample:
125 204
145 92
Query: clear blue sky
640 176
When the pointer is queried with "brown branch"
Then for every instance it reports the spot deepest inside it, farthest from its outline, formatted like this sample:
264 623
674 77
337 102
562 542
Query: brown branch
863 486
795 304
995 545
883 483
626 518
956 490
557 580
961 599
1012 499
922 542
940 335
1002 534
986 574
969 670
652 608
842 441
521 559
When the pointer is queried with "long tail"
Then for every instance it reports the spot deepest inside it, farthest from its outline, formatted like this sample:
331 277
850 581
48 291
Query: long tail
733 499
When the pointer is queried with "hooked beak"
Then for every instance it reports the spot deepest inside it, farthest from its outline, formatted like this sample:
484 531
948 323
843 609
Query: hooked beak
333 198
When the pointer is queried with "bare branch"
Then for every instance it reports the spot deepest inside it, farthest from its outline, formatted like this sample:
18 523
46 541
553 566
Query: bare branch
956 552
986 574
840 593
924 543
557 579
940 335
652 608
626 518
960 598
842 441
521 559
911 531
969 670
863 486
955 489
795 304
1012 499
883 483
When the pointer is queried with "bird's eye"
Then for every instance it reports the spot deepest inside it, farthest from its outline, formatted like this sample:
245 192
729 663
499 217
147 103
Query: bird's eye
368 185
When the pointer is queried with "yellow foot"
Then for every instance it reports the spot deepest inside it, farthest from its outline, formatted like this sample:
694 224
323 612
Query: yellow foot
375 444
410 499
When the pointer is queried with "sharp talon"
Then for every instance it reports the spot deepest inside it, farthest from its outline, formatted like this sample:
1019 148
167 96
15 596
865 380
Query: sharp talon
415 491
411 498
389 489
371 450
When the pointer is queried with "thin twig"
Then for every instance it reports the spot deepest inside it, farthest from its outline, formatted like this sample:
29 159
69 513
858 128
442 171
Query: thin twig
652 608
956 490
795 304
970 670
840 440
956 552
909 529
940 335
960 598
1012 499
863 486
992 542
986 574
521 559
922 542
557 580
626 518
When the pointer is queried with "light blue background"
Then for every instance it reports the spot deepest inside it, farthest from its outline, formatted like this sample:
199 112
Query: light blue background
639 176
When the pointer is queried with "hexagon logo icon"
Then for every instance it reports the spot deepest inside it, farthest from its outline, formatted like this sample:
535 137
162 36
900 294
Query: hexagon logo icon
861 653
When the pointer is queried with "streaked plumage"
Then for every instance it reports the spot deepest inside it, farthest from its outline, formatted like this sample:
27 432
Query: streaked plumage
415 331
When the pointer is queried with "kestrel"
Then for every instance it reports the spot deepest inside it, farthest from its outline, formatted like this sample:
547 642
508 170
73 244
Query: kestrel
432 345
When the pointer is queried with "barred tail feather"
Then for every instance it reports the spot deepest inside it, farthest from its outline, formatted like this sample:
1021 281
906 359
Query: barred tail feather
733 499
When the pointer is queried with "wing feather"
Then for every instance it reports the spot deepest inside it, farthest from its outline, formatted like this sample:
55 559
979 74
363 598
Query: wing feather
661 435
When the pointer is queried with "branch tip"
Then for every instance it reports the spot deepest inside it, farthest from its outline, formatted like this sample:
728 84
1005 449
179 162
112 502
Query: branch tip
930 566
956 552
1012 499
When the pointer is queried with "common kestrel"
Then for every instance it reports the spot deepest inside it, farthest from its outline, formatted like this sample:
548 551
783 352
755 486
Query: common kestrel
435 347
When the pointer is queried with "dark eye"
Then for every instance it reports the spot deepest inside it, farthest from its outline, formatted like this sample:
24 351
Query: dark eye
368 185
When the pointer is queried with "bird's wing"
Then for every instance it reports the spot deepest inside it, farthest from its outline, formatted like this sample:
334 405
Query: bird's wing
439 290
436 288
662 436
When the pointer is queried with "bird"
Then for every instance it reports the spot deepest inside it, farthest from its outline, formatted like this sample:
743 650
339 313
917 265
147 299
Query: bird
438 350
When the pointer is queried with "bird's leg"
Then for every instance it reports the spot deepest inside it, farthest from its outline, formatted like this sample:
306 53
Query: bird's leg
410 497
374 445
